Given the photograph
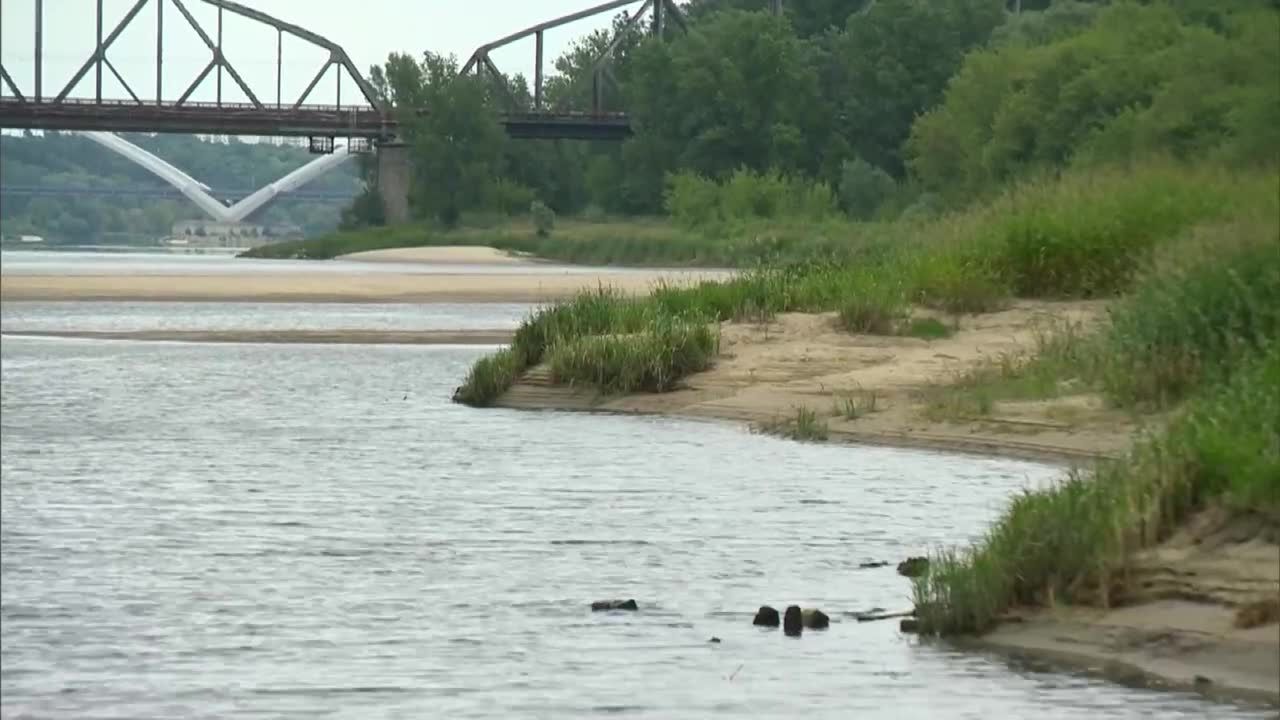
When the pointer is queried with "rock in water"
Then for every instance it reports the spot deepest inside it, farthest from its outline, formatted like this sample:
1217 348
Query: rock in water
815 619
909 625
793 621
767 616
614 605
913 566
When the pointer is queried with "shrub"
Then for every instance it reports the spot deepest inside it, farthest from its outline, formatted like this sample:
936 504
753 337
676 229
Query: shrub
1141 79
544 218
864 188
510 198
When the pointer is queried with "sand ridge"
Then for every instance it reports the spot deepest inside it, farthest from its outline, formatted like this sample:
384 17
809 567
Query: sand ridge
340 287
767 371
441 255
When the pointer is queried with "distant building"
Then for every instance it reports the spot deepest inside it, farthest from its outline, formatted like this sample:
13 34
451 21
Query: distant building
213 234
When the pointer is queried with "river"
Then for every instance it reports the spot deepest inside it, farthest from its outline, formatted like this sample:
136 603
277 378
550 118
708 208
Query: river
235 530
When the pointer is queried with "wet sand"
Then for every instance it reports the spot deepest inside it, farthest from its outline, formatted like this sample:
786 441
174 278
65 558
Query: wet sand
443 255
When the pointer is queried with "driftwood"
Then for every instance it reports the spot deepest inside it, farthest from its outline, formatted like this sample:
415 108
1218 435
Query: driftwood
871 617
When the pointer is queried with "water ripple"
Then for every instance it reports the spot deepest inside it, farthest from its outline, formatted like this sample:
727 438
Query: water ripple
217 531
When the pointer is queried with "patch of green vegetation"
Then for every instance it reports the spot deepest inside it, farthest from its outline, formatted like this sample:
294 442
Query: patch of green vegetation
489 378
927 328
648 361
852 406
1201 306
805 426
1196 306
1201 325
1073 542
967 254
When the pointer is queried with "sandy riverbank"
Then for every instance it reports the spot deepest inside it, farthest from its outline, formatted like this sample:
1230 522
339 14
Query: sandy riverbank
767 371
331 286
442 255
1179 629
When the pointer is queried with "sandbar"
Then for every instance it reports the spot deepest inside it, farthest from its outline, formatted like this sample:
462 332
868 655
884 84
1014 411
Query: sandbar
440 255
304 286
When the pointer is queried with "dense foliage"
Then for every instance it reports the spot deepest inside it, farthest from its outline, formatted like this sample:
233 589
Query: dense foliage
902 106
64 160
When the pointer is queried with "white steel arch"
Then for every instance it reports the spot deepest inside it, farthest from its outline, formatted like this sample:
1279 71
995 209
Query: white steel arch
198 192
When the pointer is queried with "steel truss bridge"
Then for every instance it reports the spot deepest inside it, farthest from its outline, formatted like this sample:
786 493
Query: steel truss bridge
370 118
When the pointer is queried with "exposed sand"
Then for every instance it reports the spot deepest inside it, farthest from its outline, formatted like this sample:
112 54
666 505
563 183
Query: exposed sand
766 372
337 287
443 255
1178 627
333 337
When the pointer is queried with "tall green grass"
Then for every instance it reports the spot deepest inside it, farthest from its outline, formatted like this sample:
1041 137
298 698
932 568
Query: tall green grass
1196 310
1083 235
649 361
1201 324
1073 541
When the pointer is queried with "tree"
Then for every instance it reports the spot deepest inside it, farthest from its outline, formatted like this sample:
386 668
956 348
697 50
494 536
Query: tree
893 63
456 145
740 90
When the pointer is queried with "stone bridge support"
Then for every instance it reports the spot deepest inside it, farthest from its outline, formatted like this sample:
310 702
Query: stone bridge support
393 181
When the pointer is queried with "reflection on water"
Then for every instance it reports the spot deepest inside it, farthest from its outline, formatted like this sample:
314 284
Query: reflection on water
221 530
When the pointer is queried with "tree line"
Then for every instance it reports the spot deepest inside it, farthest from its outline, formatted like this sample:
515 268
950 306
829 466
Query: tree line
891 105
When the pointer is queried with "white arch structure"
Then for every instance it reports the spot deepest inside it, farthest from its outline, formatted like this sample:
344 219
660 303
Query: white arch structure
198 192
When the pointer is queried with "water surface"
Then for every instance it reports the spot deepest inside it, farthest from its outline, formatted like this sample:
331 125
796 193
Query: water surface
197 530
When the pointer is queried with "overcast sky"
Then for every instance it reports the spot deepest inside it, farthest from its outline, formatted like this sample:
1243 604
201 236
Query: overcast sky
367 29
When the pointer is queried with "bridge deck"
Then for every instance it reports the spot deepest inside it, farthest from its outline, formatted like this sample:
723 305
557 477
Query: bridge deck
247 119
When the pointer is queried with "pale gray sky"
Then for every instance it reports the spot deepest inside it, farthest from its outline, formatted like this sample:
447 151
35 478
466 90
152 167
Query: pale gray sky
367 29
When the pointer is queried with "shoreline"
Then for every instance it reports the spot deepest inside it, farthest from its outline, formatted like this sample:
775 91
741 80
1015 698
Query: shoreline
765 371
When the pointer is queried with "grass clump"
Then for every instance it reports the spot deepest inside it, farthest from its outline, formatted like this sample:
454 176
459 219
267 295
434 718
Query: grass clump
1072 542
1158 350
805 426
489 378
647 361
927 328
855 405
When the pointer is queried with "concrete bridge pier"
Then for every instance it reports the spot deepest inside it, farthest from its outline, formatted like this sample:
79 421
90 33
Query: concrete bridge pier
393 181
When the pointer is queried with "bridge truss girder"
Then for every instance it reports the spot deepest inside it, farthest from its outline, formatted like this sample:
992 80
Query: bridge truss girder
98 60
480 60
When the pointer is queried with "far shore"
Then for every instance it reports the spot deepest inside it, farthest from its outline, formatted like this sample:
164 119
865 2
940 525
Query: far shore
441 255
